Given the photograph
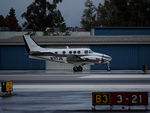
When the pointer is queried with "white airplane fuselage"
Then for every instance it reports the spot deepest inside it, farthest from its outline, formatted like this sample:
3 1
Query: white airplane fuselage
76 56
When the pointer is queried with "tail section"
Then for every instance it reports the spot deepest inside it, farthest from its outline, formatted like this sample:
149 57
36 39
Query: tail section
30 44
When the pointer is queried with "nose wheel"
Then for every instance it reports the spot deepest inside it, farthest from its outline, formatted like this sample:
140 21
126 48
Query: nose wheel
108 69
77 69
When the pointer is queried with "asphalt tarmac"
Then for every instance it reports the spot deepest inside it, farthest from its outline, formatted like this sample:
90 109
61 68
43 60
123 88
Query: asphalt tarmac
68 92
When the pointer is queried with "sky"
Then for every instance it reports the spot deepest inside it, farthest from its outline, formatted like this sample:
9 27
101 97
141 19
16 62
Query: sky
71 10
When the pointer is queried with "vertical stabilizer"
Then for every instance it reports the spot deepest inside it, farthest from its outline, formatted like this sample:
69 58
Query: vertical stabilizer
30 44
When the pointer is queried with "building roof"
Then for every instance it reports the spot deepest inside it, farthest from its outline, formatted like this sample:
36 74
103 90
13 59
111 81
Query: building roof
120 27
70 40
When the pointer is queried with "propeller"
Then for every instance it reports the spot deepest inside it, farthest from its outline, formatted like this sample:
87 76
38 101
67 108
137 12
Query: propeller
102 59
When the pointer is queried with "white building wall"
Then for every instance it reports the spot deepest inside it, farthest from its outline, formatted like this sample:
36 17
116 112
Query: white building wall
80 33
9 34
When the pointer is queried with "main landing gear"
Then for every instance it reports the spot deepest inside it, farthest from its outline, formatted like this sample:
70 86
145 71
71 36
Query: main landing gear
77 69
108 67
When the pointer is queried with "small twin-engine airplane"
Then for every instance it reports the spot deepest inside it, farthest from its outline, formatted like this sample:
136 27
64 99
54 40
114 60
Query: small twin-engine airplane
76 56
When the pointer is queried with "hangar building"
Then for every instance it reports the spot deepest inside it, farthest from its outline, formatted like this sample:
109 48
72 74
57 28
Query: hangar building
128 47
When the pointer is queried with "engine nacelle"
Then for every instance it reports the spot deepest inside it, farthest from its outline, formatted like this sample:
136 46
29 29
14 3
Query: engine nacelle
91 58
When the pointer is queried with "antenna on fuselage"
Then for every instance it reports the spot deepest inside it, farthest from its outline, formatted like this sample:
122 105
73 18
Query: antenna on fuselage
67 47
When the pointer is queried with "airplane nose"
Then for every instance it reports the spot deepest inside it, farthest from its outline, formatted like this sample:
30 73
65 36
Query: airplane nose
109 58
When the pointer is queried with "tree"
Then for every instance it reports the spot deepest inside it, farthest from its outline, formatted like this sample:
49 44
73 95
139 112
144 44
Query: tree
2 21
104 13
117 13
42 14
11 20
124 13
139 12
88 20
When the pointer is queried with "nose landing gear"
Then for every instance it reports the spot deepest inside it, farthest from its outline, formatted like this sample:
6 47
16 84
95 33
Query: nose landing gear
108 67
77 69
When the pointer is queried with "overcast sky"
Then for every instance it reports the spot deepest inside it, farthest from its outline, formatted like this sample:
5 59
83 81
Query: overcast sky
71 10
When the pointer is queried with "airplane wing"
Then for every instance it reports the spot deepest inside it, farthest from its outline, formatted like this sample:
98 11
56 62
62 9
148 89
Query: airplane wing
81 59
73 58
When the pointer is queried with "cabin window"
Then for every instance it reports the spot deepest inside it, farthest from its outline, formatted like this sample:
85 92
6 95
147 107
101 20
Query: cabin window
74 52
64 52
56 52
86 51
70 52
79 52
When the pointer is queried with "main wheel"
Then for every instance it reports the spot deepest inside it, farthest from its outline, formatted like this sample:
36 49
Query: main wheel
80 68
75 69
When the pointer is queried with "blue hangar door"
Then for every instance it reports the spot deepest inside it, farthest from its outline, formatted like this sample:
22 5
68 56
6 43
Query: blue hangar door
16 58
124 56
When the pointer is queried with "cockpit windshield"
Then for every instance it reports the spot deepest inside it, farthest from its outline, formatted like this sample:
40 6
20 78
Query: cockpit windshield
90 51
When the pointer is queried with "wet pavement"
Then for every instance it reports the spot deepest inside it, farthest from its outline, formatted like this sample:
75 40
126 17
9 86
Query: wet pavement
60 92
50 102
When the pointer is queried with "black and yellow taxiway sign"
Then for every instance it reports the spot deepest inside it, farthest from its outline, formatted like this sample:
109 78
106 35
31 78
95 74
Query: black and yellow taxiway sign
9 86
119 98
100 98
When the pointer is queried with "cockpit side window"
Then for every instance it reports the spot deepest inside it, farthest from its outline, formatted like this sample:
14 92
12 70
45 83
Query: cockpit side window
86 51
90 51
